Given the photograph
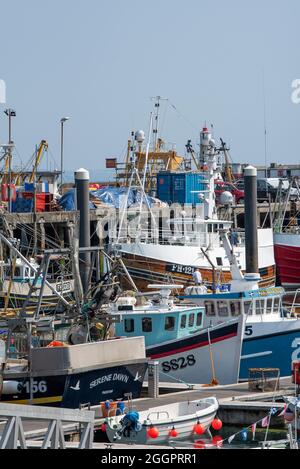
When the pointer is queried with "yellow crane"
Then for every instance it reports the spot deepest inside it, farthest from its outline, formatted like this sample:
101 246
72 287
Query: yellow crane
42 147
228 165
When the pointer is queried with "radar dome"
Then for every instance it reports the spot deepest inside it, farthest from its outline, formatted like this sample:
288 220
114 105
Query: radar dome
140 136
226 198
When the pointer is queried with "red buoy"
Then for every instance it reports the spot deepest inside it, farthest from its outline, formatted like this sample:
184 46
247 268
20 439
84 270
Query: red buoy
199 429
153 432
103 427
217 441
173 432
217 424
199 444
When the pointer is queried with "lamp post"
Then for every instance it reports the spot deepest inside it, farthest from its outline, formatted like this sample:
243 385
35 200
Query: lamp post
62 121
10 113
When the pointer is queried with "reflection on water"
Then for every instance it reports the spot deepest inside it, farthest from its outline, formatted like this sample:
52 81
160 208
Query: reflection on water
242 440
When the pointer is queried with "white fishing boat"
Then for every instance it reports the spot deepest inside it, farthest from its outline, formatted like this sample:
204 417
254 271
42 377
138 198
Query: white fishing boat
170 249
182 420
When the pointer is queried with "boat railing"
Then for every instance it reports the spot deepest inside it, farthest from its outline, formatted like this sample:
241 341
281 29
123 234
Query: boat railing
294 304
178 237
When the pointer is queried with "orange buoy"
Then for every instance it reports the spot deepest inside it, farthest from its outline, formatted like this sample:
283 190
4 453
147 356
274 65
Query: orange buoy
199 444
217 424
199 429
217 441
153 432
173 432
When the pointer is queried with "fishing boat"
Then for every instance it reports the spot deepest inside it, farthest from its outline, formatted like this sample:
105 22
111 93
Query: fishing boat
271 335
287 236
73 375
163 424
168 248
18 278
175 335
68 360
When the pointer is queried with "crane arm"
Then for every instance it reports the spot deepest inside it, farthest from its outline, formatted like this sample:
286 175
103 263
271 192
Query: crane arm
228 167
43 146
190 150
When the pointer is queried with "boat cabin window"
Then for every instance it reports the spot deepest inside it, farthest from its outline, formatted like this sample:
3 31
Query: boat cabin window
269 305
259 307
276 305
17 272
210 309
222 309
199 319
191 320
209 228
235 308
248 308
183 321
129 325
169 323
147 325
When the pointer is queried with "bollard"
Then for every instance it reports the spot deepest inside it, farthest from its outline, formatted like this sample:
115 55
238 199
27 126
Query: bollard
82 178
250 175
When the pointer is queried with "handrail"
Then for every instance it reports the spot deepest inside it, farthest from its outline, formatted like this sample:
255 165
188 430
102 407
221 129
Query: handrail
13 435
294 300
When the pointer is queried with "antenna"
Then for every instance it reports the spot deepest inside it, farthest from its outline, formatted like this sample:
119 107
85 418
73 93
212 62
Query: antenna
265 125
156 119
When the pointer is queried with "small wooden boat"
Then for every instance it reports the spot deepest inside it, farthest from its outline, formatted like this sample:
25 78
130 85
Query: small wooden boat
163 424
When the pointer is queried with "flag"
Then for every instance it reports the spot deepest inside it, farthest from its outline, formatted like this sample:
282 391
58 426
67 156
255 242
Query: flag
253 428
265 421
231 438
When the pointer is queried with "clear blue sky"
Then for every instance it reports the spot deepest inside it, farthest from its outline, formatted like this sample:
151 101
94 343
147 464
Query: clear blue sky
100 62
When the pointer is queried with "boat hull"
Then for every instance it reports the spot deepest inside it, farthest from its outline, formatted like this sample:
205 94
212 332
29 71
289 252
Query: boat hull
145 270
287 255
271 345
202 356
72 390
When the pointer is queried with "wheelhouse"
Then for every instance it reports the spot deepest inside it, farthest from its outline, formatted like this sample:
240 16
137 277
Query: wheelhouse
160 326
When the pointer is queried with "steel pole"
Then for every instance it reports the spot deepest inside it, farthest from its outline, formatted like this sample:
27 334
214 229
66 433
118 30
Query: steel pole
61 153
82 178
251 233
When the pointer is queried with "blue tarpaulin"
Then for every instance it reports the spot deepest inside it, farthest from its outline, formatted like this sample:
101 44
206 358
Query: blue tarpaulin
67 201
114 196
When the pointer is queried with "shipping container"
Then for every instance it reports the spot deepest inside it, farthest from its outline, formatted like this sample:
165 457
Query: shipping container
182 188
22 205
29 187
164 187
25 202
